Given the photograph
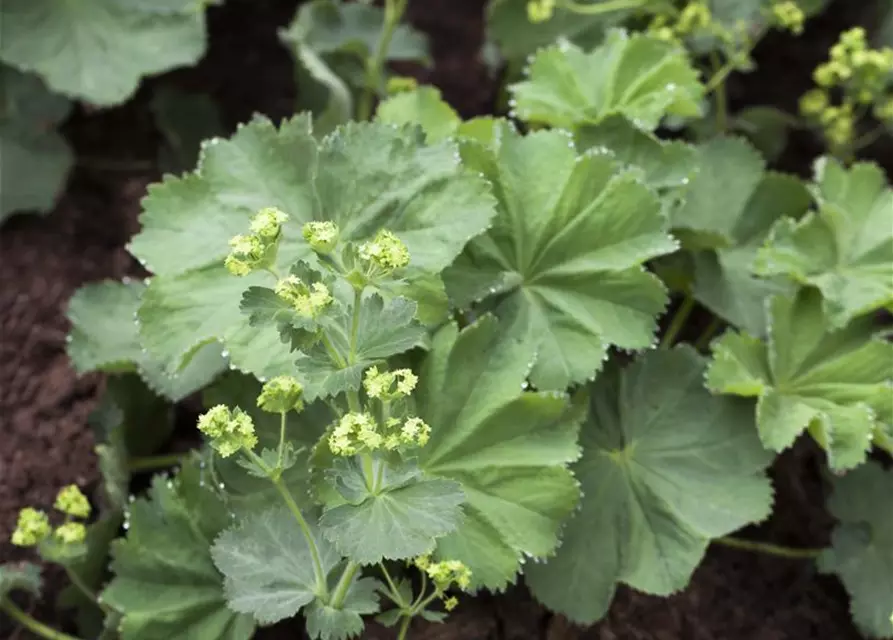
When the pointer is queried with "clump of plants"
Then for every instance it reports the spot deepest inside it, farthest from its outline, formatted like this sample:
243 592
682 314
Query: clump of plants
442 356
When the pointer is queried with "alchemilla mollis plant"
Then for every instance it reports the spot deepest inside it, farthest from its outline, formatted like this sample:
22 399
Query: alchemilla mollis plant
441 356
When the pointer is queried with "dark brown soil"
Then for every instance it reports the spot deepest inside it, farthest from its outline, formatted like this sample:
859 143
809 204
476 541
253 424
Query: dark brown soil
44 406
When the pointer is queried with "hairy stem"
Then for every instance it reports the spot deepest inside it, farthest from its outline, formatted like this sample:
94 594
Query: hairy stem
154 463
37 628
404 628
322 588
597 8
394 592
282 422
355 325
344 582
393 11
768 548
678 321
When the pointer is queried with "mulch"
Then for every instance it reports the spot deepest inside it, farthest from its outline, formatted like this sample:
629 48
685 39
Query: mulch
44 405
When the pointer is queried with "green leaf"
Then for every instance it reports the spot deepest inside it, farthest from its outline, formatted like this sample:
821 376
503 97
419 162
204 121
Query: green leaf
639 77
730 206
104 337
245 492
564 256
327 623
423 106
845 248
22 576
364 176
130 417
861 552
808 375
36 159
184 120
384 330
510 28
165 584
332 40
108 46
665 468
508 449
268 565
667 164
401 518
767 128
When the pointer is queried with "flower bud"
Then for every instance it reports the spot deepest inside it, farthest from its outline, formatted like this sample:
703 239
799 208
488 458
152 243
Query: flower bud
71 501
321 236
389 385
280 395
447 572
32 527
540 10
309 301
267 223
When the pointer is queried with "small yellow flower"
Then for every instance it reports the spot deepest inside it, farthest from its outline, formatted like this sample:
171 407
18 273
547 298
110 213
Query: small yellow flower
309 301
401 84
280 395
70 500
33 526
696 15
415 432
267 223
385 251
389 385
353 433
448 572
451 603
321 236
814 102
540 10
71 532
229 431
789 15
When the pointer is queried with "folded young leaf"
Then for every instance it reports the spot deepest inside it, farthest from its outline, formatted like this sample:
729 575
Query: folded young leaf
22 576
637 76
665 468
402 519
364 176
165 584
268 565
104 336
730 205
845 248
861 552
36 159
98 51
564 256
837 383
508 449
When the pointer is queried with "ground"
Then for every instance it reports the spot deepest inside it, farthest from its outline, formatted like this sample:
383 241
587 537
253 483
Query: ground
44 405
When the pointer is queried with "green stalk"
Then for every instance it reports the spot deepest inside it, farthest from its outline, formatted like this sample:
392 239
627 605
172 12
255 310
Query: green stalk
282 421
718 84
37 628
393 12
678 321
81 586
597 8
394 592
344 582
768 548
704 340
355 325
321 586
154 463
404 628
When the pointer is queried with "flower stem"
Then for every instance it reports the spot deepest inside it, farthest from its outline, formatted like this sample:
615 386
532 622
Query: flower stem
394 592
81 586
37 628
678 321
154 463
322 587
344 582
282 422
768 548
393 11
597 8
718 84
404 628
704 340
355 325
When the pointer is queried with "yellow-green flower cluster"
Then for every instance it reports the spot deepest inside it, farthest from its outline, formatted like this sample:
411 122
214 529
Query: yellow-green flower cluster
360 432
71 501
33 525
281 395
860 76
694 17
321 236
385 251
788 15
258 249
229 431
540 10
309 301
401 84
389 385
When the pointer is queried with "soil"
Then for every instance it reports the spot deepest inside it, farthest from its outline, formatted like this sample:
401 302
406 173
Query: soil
44 405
